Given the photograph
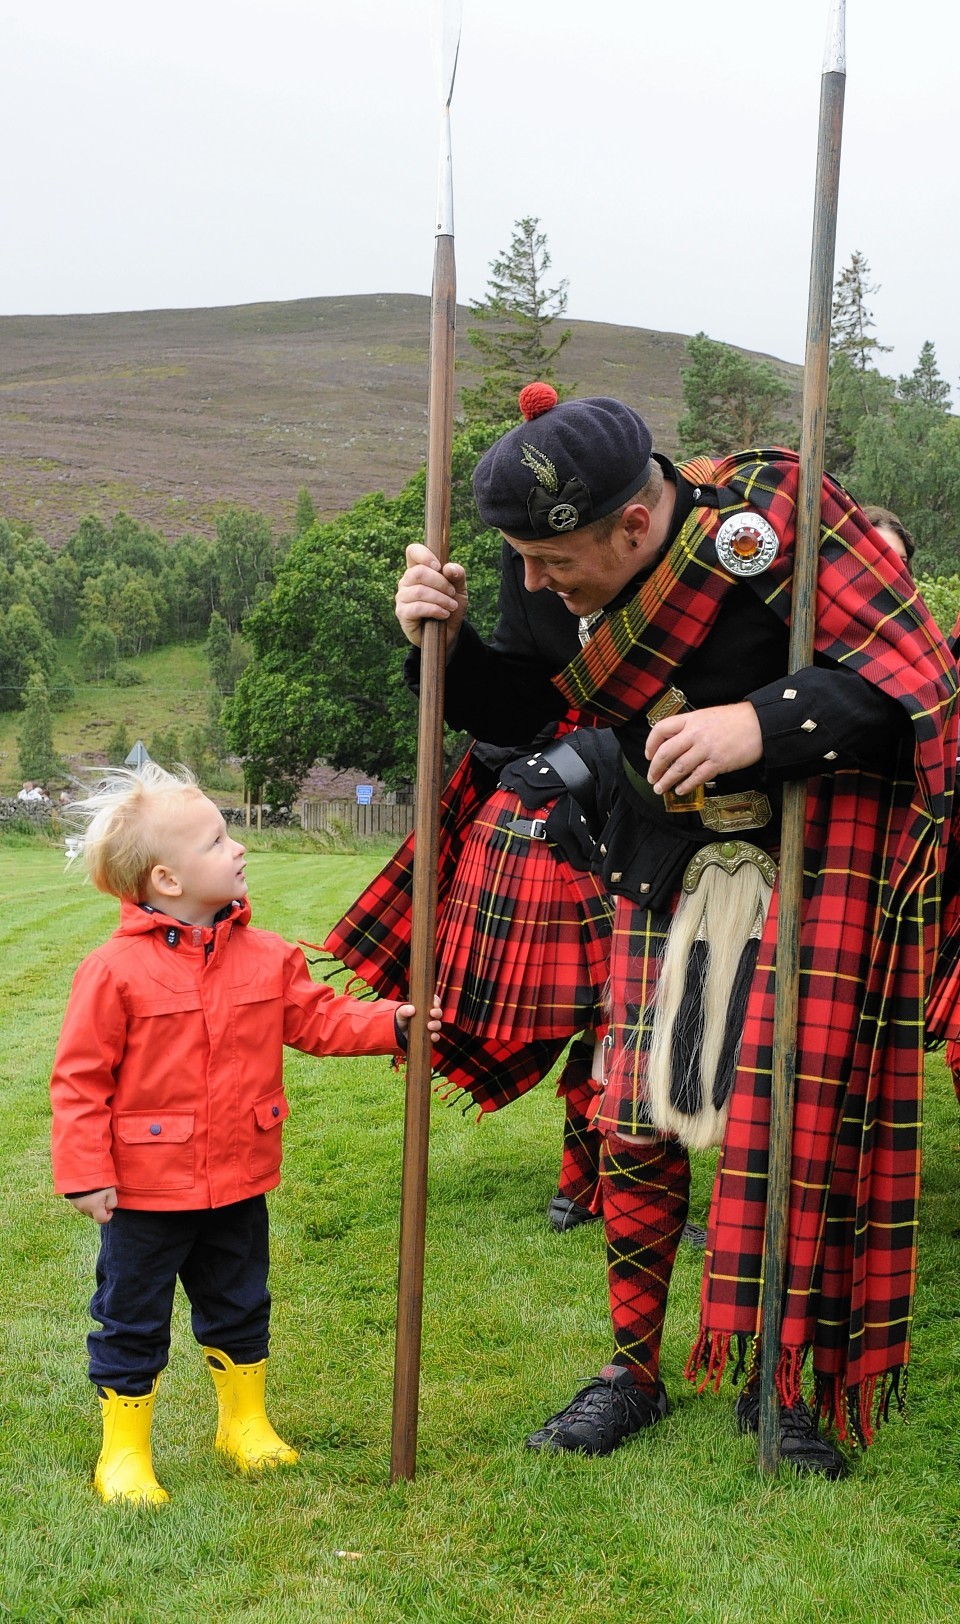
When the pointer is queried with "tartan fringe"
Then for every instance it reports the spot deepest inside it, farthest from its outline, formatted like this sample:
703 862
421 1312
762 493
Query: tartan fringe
708 1360
356 987
710 1356
854 1413
452 1093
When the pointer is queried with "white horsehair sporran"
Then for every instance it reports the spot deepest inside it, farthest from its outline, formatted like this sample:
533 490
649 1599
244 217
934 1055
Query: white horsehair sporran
702 990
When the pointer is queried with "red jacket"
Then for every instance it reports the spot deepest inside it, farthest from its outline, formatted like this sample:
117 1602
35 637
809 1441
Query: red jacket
168 1077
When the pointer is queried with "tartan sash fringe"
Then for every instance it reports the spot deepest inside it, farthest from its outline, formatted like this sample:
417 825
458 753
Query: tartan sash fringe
854 1413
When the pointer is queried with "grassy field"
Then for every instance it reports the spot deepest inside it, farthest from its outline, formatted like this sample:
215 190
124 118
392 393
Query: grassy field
675 1527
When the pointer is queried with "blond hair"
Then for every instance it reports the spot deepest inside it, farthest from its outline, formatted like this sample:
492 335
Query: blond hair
125 824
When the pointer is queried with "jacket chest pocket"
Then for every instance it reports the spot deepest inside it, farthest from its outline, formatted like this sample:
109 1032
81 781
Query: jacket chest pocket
257 1013
154 1150
270 1112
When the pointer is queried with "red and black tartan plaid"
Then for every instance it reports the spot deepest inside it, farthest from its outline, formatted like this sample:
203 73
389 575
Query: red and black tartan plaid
646 1195
874 853
373 937
497 1059
579 1177
523 938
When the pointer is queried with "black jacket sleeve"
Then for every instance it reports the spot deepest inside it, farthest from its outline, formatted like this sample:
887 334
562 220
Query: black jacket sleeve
825 717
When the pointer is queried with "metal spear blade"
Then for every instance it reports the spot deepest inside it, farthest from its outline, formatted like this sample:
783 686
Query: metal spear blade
445 21
835 50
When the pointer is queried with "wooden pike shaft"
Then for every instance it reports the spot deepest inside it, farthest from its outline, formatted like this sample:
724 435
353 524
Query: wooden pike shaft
423 973
812 433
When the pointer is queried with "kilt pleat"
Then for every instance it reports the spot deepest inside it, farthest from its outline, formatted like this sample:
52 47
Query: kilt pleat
523 938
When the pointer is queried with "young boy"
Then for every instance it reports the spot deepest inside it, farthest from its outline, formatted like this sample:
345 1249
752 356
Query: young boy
168 1107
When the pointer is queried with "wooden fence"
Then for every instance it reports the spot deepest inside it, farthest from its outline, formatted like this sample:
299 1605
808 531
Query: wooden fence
379 818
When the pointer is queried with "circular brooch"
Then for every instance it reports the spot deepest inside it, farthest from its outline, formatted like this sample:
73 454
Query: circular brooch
563 516
746 544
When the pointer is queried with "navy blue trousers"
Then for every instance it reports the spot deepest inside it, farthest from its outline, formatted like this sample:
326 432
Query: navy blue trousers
222 1256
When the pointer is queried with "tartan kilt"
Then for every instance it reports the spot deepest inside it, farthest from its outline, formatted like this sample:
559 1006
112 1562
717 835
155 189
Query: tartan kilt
373 936
373 939
523 938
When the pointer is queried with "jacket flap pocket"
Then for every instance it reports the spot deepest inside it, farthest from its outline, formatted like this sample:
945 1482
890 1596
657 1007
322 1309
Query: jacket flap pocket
174 1002
256 991
271 1110
156 1127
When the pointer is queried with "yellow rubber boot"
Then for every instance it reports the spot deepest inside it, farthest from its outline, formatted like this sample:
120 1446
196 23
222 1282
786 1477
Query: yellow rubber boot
125 1468
244 1435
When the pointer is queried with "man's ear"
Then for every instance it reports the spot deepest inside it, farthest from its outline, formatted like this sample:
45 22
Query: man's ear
635 519
164 881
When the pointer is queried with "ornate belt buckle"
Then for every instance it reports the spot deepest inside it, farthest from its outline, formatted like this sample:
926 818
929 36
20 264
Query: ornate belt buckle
748 809
669 704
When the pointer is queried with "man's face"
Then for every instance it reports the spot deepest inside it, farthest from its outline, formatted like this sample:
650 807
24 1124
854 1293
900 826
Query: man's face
585 573
206 862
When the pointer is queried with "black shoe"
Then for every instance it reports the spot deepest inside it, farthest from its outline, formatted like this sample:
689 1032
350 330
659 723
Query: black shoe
694 1236
603 1415
801 1445
566 1214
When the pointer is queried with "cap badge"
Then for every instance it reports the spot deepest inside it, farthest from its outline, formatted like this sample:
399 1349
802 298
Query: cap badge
543 469
746 544
563 516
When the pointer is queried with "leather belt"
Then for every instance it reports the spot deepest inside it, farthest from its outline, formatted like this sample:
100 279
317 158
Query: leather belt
577 779
740 809
529 828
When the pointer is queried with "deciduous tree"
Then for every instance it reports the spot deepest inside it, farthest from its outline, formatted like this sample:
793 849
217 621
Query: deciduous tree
97 652
38 759
326 682
245 562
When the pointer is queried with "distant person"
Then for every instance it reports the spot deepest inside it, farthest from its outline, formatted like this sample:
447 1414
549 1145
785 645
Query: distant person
168 1107
894 533
30 792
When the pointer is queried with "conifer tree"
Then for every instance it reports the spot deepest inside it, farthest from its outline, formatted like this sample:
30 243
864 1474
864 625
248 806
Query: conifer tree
217 650
306 513
514 328
118 745
732 401
924 385
857 390
850 333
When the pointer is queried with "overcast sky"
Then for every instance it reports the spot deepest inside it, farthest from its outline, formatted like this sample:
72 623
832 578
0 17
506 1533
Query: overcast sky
205 153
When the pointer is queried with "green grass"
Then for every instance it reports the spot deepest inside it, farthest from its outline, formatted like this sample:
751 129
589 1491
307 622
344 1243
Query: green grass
677 1526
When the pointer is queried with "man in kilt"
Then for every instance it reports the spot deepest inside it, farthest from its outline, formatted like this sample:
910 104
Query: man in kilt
683 576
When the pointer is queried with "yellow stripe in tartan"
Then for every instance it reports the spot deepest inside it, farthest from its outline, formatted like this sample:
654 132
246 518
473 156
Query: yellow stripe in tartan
626 628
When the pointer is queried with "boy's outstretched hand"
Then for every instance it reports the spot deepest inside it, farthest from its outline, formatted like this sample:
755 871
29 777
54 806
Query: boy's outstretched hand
97 1204
406 1012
